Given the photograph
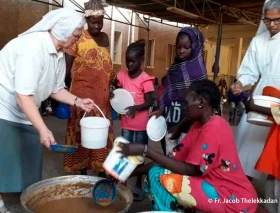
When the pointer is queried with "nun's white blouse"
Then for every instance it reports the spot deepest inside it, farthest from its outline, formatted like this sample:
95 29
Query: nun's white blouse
29 65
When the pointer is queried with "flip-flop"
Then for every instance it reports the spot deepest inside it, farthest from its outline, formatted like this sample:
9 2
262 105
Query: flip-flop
140 194
5 210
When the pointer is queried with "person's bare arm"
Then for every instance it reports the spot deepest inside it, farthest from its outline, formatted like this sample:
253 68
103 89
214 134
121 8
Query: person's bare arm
176 166
250 106
143 169
29 108
148 103
68 98
65 97
69 59
173 165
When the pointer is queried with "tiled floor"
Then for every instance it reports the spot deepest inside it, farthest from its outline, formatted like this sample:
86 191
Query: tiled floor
53 167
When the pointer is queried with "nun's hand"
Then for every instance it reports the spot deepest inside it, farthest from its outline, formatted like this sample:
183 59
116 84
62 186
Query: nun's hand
46 138
85 104
131 149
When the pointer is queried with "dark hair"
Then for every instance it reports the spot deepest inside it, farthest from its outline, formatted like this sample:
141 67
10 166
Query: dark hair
208 90
182 35
138 46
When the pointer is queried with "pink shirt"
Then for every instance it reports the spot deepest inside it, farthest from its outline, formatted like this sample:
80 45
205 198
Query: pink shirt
212 148
137 87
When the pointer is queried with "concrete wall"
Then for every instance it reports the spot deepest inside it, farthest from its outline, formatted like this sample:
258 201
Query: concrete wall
17 16
163 35
225 58
235 41
124 34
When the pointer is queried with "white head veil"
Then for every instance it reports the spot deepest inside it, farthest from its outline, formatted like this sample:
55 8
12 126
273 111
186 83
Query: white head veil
262 28
61 22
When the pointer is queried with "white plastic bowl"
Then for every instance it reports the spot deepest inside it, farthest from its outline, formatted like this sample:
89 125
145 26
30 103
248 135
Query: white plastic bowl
260 119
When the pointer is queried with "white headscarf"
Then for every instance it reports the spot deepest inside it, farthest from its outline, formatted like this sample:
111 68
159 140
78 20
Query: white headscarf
61 22
262 28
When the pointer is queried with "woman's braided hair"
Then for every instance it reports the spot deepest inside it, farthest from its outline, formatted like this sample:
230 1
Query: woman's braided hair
94 5
209 91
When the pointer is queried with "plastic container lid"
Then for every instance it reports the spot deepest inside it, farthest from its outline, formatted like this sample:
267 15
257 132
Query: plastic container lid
156 128
121 101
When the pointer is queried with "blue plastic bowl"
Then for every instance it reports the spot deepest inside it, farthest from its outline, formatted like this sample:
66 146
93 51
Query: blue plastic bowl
63 148
104 192
63 111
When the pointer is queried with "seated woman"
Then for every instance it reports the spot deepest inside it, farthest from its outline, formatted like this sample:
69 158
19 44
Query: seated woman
203 172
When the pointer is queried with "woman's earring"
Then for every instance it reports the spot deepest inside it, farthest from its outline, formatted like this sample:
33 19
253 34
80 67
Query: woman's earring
199 106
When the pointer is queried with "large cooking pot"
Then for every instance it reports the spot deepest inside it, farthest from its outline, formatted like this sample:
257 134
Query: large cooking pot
66 187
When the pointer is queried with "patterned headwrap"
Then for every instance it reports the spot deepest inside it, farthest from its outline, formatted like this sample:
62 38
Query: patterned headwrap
95 8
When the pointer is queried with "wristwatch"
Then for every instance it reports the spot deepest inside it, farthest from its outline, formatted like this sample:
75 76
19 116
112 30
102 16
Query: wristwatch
75 102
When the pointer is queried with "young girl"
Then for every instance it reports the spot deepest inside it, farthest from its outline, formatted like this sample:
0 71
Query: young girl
140 84
188 67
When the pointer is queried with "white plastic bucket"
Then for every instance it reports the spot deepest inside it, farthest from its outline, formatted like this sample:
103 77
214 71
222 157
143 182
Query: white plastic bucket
118 167
260 119
94 131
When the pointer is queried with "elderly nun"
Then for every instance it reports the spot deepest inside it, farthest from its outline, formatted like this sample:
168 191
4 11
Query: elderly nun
32 68
260 64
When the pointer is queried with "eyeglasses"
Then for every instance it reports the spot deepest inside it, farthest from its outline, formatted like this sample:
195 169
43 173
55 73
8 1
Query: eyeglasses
76 36
268 20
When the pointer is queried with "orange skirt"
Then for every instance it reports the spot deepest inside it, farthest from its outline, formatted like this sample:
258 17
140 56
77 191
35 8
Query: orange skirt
91 159
269 161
